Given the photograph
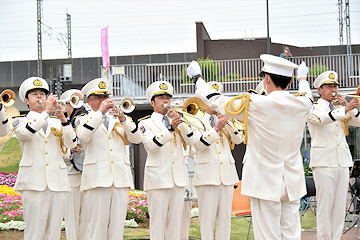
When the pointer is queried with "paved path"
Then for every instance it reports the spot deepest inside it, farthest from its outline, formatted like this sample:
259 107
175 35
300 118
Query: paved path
350 235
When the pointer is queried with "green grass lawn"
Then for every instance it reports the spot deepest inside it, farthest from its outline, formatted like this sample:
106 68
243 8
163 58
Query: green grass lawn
9 162
10 156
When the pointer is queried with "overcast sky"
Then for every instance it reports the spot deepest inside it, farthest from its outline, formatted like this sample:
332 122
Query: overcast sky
151 27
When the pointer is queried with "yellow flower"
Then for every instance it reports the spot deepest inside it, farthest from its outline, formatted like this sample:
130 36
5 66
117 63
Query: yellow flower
7 190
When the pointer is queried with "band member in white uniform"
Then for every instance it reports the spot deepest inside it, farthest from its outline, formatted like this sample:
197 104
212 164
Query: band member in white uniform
4 122
75 204
106 177
42 179
166 175
273 174
215 171
330 156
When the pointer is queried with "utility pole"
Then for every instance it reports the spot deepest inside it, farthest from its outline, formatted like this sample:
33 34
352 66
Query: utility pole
268 31
39 36
39 39
66 39
348 38
341 37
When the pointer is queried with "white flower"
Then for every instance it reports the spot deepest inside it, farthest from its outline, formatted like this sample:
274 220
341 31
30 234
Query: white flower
131 223
63 226
194 212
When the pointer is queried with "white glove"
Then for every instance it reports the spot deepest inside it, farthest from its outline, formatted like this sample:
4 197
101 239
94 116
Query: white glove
302 71
193 69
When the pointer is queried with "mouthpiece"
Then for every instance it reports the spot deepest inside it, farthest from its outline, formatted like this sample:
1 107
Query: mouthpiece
165 105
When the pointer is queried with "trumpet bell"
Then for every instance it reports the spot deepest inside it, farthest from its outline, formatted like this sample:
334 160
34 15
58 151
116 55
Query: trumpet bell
196 107
127 105
8 97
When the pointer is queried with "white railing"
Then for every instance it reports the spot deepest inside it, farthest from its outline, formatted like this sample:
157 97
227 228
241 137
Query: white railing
236 75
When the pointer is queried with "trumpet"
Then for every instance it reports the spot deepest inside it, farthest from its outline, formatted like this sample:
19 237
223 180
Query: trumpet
127 105
75 101
8 97
336 102
193 110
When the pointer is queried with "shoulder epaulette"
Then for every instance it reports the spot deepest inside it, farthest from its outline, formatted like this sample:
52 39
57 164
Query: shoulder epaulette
22 115
299 94
82 114
252 91
130 118
144 118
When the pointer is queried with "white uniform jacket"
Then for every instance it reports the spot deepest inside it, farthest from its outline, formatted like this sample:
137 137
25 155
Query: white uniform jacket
4 122
106 161
329 147
42 164
165 163
275 131
215 163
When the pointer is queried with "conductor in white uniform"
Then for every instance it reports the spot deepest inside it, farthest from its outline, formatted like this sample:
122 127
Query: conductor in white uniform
273 174
330 154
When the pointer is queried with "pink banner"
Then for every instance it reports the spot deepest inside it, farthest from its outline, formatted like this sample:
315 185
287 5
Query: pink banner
104 48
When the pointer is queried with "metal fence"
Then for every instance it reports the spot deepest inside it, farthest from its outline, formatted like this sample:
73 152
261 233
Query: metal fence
236 75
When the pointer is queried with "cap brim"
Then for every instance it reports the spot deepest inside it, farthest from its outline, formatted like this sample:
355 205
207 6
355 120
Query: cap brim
158 93
330 82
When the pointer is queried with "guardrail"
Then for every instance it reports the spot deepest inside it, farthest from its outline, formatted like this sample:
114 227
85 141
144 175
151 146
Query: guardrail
236 75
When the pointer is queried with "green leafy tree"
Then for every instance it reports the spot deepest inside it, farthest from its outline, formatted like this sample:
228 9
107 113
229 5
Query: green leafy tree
209 69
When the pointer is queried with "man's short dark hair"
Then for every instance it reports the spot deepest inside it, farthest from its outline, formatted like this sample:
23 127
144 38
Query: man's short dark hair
33 90
280 81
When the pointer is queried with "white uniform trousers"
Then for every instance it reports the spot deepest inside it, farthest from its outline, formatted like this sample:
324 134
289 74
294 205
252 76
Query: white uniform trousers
215 204
76 214
165 210
107 208
43 213
276 220
186 219
331 190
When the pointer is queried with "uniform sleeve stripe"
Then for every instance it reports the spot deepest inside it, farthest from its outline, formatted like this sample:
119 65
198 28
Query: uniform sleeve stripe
204 142
357 114
190 134
212 95
157 142
135 129
74 140
331 116
88 127
5 122
29 128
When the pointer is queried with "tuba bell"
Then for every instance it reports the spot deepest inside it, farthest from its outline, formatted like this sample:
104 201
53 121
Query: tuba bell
8 97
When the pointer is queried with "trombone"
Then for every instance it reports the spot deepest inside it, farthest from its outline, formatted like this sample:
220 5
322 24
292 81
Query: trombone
193 110
237 125
127 105
8 97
